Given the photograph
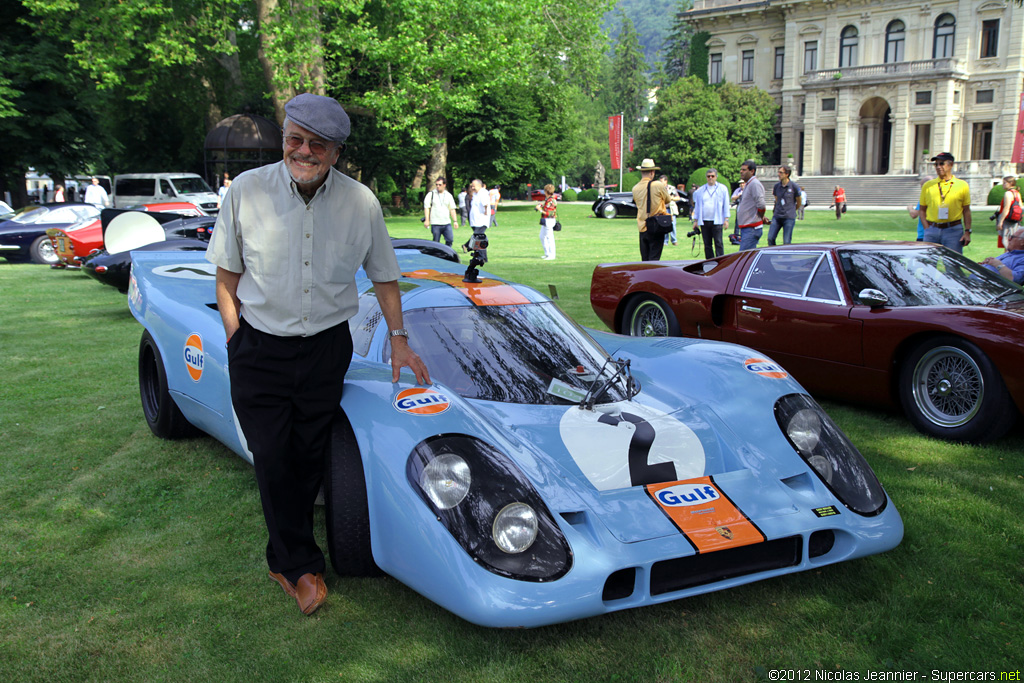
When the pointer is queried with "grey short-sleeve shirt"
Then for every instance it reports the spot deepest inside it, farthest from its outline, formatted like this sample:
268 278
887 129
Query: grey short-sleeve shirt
298 261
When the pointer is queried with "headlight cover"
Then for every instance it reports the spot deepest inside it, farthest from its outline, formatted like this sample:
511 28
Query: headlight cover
830 454
500 519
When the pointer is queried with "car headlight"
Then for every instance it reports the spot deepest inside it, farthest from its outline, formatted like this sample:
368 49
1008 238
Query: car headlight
831 455
490 507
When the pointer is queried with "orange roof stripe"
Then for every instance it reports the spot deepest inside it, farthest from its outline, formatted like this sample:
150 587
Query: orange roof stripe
486 293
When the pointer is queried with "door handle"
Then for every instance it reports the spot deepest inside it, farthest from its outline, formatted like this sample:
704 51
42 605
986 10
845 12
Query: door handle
750 309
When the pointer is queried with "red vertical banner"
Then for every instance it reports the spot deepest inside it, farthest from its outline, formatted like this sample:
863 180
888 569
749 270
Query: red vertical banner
630 143
615 140
1018 139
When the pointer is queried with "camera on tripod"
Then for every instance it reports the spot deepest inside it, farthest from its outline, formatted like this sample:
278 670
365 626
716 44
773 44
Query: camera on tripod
694 232
475 244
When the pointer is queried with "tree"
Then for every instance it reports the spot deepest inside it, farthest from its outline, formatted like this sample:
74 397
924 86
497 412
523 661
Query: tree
629 84
696 125
678 48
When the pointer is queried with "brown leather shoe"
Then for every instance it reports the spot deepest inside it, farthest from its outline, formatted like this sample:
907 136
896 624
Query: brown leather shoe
287 585
310 592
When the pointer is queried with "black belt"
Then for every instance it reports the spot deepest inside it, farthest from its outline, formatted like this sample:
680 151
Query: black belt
951 224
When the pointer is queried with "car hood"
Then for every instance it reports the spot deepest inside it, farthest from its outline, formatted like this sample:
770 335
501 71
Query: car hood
589 458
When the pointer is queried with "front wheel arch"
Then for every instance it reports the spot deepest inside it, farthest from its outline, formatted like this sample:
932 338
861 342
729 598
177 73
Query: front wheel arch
950 389
162 414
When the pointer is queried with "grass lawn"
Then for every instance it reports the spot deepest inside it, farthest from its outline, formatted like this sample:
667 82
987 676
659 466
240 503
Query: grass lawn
128 558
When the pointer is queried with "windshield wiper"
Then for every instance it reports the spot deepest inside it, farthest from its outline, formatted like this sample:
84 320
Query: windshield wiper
595 392
999 296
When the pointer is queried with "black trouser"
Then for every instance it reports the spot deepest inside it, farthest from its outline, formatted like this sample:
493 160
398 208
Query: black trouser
712 236
651 246
286 392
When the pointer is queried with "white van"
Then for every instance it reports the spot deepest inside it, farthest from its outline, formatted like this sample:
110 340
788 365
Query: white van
132 189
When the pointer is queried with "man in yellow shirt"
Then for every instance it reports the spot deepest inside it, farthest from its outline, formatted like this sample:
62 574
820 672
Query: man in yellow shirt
650 245
946 207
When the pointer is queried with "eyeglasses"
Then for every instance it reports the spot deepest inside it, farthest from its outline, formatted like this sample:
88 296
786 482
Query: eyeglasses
317 147
711 175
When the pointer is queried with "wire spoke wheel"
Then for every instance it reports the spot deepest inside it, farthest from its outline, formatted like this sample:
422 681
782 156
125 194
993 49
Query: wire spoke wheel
948 386
649 320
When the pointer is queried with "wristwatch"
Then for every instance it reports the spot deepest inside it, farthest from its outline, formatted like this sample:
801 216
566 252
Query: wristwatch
401 332
968 231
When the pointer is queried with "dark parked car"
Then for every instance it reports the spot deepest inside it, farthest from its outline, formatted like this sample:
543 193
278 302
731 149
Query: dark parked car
613 204
883 323
23 236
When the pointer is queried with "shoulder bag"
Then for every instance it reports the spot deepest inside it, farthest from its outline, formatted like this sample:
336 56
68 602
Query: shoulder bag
659 226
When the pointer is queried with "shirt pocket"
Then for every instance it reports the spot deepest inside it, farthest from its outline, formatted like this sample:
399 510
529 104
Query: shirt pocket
343 259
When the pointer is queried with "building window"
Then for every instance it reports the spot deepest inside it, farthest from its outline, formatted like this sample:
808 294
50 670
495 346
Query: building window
985 97
989 38
716 68
810 56
848 47
945 29
747 73
895 34
924 96
803 109
828 104
981 147
780 61
956 97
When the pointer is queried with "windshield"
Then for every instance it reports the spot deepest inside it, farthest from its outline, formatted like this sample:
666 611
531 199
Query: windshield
530 354
925 277
30 215
190 185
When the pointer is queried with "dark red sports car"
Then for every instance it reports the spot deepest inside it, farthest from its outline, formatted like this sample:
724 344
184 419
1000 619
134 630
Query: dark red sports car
886 323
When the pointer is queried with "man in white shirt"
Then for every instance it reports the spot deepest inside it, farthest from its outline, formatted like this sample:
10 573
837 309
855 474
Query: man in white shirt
479 212
711 213
288 241
439 212
95 194
495 196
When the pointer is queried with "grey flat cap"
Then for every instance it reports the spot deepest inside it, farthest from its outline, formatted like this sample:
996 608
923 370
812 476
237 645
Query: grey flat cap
320 115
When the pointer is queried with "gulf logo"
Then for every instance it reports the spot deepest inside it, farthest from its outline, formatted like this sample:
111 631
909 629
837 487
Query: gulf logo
421 401
682 495
194 356
765 368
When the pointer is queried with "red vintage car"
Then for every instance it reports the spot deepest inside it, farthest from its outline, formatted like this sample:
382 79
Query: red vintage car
74 243
884 323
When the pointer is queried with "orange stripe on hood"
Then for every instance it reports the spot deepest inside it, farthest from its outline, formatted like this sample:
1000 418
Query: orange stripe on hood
705 515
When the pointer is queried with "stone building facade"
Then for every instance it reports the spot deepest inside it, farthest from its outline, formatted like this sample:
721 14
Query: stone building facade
875 87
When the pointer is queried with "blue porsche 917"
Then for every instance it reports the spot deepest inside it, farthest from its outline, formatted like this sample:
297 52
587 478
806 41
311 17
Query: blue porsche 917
551 472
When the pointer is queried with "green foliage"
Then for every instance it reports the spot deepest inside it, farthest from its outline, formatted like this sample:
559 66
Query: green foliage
588 195
695 125
629 83
699 59
654 21
569 195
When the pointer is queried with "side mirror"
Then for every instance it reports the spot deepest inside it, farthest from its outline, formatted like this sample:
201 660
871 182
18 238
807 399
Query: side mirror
872 298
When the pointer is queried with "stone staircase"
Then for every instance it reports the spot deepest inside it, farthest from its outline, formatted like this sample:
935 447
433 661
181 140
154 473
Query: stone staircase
864 190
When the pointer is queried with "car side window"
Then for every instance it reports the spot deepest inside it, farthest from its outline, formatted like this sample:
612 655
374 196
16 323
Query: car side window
165 188
784 273
823 284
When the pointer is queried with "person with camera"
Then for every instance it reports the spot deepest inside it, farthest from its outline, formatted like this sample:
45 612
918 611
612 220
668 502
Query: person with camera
654 194
439 212
710 214
1010 210
787 201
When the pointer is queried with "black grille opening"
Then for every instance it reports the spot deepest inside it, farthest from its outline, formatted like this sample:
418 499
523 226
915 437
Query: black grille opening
821 543
698 570
619 585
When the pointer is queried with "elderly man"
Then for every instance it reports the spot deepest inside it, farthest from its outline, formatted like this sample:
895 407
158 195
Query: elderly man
1010 264
946 205
653 193
711 213
96 194
287 244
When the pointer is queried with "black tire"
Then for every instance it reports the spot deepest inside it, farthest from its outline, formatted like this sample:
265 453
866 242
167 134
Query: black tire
609 211
42 251
162 414
951 390
346 509
649 316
